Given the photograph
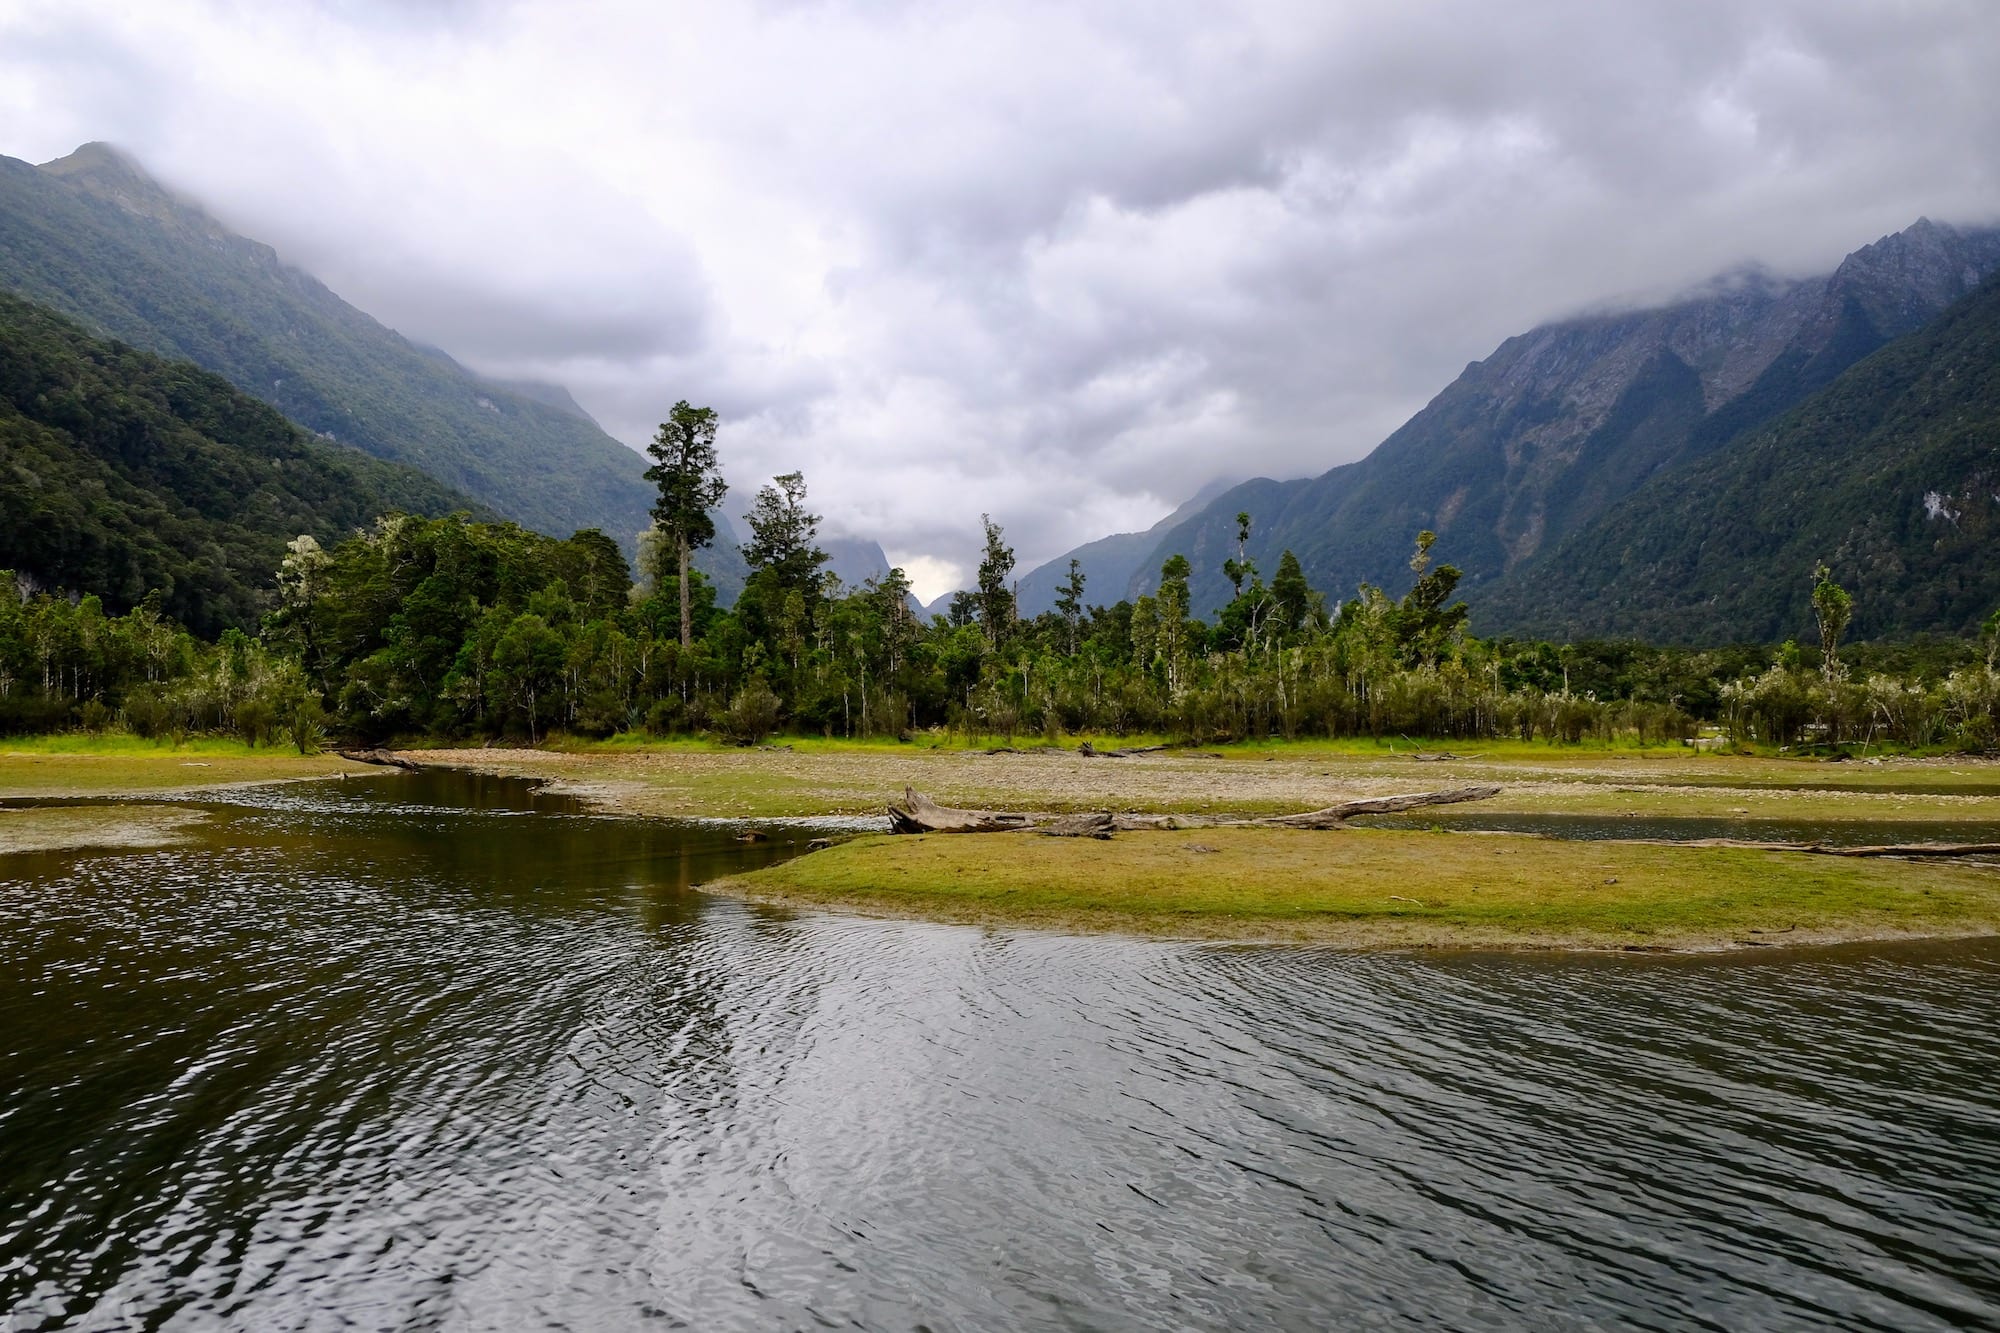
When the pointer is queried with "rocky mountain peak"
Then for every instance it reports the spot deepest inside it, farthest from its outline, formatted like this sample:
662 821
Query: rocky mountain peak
1902 280
108 172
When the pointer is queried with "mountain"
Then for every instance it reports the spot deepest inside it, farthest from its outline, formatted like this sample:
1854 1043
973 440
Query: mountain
96 238
545 392
855 560
1109 564
1558 424
121 473
1891 475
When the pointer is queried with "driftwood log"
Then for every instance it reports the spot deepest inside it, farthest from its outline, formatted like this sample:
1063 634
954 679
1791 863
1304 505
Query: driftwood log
1089 751
386 758
918 813
1334 815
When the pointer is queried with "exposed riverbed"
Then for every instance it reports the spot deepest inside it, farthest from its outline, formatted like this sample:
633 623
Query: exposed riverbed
440 1052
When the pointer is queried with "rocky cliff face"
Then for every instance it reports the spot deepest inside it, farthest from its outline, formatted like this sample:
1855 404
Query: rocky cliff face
1890 475
1559 423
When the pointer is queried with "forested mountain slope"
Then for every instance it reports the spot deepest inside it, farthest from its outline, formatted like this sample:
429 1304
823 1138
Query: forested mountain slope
1891 475
1540 438
92 236
121 473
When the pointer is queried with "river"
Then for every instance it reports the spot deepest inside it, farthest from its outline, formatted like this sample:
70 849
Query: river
434 1052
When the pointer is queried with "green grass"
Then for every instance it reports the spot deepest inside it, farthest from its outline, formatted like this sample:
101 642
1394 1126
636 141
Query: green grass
124 743
1364 886
117 764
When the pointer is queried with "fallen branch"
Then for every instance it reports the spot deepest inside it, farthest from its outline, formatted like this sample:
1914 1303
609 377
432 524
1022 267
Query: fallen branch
1335 815
1916 849
1906 849
1077 826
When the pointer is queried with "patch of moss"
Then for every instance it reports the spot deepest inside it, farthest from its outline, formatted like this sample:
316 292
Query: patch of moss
115 766
69 828
1366 886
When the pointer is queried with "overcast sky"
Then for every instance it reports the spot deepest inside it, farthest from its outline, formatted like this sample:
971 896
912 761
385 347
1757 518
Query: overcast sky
1063 263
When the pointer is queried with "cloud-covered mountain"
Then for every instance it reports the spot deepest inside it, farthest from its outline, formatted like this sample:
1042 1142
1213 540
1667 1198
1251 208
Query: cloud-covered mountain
1558 424
95 237
1890 475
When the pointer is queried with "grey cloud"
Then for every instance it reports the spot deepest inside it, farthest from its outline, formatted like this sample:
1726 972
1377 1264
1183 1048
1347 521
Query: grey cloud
1062 263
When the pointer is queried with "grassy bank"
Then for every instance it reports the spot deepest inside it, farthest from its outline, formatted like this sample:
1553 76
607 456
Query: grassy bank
1380 887
113 765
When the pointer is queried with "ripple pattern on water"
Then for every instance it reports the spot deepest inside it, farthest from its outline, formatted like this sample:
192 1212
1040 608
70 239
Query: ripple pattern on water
340 1067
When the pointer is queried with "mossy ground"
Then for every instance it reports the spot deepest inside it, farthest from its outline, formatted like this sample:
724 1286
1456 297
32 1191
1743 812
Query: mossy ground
69 827
112 765
1383 887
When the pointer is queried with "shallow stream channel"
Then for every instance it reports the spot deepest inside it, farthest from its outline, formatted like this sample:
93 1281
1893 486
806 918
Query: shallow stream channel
436 1051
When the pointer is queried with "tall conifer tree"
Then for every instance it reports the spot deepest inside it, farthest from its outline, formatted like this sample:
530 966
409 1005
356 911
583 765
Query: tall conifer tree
683 454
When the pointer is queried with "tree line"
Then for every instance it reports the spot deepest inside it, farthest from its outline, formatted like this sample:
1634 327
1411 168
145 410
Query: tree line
451 627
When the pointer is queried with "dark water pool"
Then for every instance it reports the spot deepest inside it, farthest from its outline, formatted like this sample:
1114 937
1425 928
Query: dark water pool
418 1053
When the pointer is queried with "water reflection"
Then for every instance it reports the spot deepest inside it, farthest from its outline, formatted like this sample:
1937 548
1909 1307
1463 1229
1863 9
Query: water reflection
461 1062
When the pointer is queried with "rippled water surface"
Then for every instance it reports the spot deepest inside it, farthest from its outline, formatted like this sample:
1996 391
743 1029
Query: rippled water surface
427 1053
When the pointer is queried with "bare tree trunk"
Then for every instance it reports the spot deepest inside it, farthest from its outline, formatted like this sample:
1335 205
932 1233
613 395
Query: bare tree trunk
687 614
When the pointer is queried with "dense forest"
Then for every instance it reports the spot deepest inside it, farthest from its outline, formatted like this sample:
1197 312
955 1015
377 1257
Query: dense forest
450 627
127 476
